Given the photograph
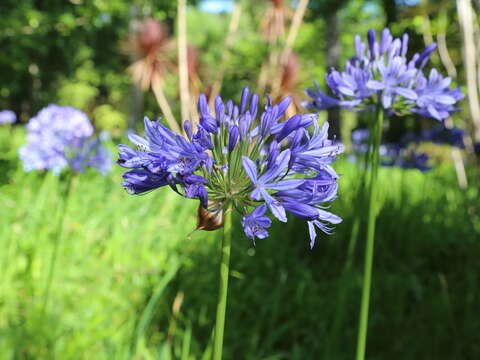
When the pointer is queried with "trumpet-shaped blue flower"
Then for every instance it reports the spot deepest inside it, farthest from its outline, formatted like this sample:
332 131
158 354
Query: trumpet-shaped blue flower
256 222
313 153
194 188
271 179
235 157
139 181
306 201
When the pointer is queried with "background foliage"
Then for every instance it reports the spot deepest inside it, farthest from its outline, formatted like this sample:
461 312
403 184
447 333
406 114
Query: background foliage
130 280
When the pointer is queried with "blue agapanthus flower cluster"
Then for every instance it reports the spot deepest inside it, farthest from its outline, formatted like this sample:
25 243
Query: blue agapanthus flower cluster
7 117
382 74
261 165
62 136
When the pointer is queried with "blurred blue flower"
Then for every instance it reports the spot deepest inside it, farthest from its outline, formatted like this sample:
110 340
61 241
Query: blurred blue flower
351 83
91 153
360 140
415 160
392 154
233 157
435 98
58 137
442 135
7 117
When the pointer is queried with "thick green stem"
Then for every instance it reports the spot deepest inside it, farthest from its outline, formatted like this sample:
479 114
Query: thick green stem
367 276
223 289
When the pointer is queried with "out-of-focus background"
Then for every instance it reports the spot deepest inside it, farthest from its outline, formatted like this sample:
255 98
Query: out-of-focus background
129 281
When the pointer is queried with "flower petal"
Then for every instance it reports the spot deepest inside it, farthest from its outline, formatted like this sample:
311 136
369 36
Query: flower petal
303 211
285 184
313 233
275 206
139 141
328 216
280 166
375 85
406 93
250 169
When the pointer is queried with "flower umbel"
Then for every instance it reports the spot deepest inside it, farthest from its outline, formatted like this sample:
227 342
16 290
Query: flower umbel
381 73
234 158
62 136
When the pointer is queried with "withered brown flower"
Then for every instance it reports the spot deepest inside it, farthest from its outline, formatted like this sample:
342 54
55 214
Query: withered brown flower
152 46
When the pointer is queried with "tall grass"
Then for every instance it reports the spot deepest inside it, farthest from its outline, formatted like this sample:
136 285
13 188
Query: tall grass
129 282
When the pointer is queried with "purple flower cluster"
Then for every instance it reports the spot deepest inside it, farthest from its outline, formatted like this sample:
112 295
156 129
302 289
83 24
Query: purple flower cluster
381 74
63 136
235 158
7 117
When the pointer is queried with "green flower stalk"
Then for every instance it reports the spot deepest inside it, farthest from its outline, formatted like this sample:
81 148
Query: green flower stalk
367 276
223 285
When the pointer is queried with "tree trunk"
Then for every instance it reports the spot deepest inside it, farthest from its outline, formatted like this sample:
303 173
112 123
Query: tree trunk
466 19
390 8
135 106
